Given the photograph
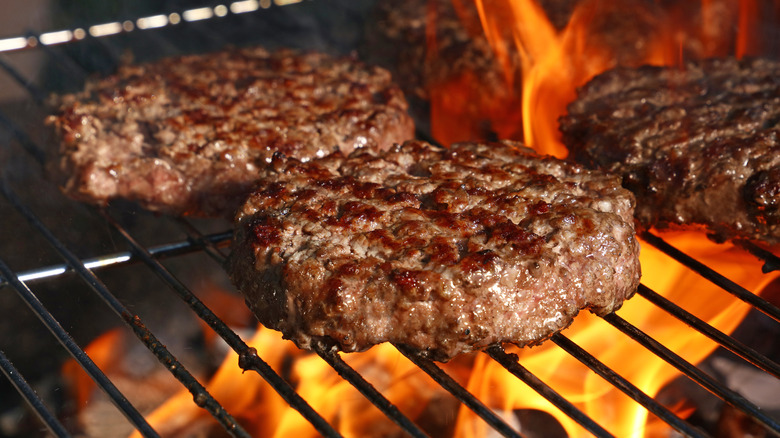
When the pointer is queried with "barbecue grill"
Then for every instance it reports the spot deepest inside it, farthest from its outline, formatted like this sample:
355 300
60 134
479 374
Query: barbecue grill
64 265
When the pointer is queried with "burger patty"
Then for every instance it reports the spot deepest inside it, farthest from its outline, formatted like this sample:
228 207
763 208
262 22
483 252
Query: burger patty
698 146
191 134
445 250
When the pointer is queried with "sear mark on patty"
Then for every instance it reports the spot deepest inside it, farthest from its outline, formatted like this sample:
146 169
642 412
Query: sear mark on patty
699 146
191 134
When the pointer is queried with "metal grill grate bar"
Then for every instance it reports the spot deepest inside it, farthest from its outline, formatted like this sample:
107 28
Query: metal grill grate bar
711 332
37 95
23 139
510 363
250 360
351 376
48 320
111 58
625 386
201 396
208 246
35 402
375 397
160 251
458 391
75 73
354 378
248 357
724 283
189 16
771 261
691 371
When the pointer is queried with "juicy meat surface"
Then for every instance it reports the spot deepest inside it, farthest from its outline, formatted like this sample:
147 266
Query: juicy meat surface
191 134
444 250
698 146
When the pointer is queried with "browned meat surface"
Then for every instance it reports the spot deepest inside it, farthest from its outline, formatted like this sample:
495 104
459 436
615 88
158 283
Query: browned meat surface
190 135
447 251
698 146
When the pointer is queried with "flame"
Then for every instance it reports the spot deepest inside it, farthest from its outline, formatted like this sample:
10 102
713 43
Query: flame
105 351
597 398
470 103
545 64
555 63
262 412
551 63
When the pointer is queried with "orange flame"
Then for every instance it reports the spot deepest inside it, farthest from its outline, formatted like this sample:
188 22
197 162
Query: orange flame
598 36
105 351
552 64
470 102
262 412
593 395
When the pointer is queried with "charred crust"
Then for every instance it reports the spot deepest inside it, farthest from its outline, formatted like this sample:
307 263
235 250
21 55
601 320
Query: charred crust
265 231
478 261
518 237
762 196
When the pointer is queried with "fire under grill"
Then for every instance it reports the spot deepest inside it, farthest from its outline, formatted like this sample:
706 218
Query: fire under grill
58 251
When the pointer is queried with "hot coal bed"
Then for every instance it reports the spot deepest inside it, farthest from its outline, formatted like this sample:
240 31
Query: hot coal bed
71 272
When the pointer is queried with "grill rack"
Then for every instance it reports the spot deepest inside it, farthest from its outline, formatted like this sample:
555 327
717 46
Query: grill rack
249 359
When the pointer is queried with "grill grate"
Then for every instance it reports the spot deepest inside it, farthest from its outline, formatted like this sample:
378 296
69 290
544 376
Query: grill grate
716 335
212 244
201 396
724 283
248 358
691 371
624 385
29 394
510 362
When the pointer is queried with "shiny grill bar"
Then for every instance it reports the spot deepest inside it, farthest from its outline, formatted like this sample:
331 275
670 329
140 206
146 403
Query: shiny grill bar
213 245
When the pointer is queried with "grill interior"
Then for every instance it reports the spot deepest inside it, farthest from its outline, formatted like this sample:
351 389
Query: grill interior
62 262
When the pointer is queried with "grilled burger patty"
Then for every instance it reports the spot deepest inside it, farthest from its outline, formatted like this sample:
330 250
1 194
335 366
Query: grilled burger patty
447 251
698 146
188 135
